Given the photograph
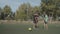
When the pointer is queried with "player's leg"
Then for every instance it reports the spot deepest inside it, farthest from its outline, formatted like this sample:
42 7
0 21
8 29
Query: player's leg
35 25
34 22
45 25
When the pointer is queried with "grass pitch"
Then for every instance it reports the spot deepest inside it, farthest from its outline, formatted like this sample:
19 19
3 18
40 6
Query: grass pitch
23 29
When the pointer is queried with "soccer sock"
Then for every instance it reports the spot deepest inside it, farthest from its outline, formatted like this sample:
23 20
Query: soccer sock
36 26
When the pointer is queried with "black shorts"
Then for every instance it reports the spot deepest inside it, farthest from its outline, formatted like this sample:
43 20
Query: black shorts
45 22
35 21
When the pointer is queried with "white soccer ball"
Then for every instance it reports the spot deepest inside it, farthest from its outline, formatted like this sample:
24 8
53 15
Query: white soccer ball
29 29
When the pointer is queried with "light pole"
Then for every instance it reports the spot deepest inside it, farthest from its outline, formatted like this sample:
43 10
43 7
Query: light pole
27 12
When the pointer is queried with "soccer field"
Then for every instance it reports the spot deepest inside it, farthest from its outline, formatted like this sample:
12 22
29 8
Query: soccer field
23 29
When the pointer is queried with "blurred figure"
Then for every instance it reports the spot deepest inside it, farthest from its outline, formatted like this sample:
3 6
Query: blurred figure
35 20
45 21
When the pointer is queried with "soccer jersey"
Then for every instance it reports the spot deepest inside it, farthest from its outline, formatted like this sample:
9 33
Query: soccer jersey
46 18
35 18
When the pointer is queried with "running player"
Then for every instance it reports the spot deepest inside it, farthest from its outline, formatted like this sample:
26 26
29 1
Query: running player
35 20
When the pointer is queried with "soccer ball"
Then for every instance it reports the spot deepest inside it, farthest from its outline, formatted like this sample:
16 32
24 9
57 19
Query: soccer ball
30 29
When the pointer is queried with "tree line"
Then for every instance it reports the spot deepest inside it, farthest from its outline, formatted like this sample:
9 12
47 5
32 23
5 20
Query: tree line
25 11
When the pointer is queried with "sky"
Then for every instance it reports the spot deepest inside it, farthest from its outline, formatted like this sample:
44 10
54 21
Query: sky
15 3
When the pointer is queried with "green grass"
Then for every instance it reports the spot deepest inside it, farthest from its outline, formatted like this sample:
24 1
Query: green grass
23 29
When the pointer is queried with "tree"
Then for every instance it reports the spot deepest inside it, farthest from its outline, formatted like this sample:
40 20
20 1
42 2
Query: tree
20 13
50 7
25 11
0 12
7 11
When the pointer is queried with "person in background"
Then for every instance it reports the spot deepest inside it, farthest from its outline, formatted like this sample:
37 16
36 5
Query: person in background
45 21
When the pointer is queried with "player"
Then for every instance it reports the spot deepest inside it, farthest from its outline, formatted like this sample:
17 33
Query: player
45 21
35 20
